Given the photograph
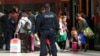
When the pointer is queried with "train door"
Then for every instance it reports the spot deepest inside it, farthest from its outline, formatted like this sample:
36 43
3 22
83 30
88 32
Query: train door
97 23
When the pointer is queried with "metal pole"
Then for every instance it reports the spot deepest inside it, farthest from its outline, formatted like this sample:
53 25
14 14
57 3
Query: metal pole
72 13
3 7
73 8
92 10
21 4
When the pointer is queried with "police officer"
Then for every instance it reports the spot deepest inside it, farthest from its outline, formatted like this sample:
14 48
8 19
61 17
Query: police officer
24 34
8 28
48 25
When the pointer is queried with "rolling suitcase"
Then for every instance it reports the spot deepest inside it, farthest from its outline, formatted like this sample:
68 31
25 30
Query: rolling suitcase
15 45
74 46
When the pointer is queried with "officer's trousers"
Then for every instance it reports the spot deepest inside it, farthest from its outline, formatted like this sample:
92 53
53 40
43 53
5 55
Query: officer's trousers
52 37
7 37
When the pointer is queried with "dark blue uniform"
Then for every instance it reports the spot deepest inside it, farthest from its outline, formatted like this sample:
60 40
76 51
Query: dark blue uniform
47 24
8 29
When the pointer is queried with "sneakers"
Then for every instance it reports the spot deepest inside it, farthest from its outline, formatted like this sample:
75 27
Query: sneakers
63 50
85 50
49 54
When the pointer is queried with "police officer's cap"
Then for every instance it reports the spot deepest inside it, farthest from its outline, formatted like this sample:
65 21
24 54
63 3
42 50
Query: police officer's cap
47 5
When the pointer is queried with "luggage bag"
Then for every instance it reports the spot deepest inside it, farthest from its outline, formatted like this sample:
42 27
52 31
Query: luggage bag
15 44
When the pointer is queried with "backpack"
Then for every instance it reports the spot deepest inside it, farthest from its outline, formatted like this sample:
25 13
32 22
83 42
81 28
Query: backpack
26 27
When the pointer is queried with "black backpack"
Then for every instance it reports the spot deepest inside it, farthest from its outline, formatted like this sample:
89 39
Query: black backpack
25 27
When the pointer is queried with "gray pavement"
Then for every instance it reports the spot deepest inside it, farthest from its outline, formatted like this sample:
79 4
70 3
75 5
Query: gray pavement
68 53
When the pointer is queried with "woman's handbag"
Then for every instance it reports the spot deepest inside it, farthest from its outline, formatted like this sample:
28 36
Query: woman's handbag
62 37
88 32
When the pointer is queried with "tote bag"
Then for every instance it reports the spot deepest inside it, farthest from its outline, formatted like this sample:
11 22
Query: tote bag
62 37
88 32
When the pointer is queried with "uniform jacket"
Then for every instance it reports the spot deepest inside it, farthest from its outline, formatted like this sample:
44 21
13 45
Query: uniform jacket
7 23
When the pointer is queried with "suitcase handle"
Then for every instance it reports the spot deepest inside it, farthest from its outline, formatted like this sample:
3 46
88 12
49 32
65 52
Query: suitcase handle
16 36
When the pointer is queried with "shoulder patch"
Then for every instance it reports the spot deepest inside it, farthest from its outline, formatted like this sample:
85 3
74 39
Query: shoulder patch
48 16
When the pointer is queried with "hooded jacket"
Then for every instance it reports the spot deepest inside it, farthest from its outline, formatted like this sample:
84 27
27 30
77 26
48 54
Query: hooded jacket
21 23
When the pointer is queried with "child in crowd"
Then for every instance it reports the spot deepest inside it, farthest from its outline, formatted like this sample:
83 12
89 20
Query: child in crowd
74 35
74 39
79 39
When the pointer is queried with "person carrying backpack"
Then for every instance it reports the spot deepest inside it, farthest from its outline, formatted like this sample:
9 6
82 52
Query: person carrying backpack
24 30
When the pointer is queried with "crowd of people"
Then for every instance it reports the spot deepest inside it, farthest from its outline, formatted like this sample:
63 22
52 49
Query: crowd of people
49 27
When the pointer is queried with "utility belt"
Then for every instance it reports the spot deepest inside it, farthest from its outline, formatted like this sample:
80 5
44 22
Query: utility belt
51 29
